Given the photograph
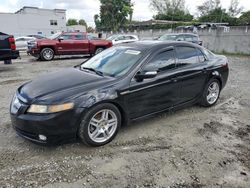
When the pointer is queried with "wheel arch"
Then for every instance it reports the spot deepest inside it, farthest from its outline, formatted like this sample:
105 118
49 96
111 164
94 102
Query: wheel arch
124 115
48 46
216 75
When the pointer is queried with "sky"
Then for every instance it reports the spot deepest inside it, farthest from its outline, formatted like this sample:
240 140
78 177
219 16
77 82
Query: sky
86 9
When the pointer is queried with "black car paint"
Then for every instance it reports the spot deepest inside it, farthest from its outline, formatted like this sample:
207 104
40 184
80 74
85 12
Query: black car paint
134 99
6 53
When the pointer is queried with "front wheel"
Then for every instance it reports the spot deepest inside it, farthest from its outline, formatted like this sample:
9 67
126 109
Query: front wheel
211 93
47 54
98 50
100 125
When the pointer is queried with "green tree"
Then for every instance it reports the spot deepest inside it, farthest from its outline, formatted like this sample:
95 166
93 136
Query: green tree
173 10
167 6
234 8
97 22
114 14
90 29
82 22
218 15
208 6
244 19
71 22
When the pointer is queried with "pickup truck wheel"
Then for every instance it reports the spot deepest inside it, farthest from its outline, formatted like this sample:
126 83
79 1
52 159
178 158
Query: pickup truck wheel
47 54
98 50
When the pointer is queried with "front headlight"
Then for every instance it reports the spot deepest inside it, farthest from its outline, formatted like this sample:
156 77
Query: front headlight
45 109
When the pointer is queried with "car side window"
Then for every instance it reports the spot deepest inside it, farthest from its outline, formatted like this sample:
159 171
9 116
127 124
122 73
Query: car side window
80 37
201 56
195 38
186 55
120 38
20 39
66 37
180 38
188 38
162 62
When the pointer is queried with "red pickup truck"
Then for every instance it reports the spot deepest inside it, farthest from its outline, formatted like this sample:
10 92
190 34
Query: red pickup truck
74 43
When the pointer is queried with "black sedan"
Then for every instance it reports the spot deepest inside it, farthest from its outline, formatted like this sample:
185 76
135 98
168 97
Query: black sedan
123 83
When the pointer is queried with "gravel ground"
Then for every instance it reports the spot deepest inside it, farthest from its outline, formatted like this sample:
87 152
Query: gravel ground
194 147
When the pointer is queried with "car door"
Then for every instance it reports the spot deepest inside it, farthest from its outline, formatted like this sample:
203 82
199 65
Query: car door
154 94
65 44
81 43
192 72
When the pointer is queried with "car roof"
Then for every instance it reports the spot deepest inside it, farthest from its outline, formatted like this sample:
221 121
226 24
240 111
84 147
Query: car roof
156 45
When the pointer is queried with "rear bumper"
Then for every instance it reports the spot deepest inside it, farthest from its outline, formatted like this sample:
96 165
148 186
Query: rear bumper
9 54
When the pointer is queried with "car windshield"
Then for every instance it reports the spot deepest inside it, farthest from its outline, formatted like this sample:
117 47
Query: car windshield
54 36
168 37
115 61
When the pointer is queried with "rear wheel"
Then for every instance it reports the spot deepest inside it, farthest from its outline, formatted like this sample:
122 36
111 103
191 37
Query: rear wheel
211 93
100 125
47 54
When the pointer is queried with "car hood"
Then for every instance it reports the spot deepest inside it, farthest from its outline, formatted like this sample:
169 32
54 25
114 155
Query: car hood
61 85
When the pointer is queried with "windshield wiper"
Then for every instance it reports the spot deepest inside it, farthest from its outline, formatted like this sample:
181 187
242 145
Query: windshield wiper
100 73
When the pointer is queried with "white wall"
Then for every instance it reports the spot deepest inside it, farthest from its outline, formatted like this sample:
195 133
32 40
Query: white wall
32 21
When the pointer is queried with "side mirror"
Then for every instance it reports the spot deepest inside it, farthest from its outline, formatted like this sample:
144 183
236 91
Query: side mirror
140 76
60 39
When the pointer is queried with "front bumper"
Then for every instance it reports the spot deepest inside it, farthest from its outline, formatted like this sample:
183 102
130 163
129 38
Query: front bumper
33 51
57 127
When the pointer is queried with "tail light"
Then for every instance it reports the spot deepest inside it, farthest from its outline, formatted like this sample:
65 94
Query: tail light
12 43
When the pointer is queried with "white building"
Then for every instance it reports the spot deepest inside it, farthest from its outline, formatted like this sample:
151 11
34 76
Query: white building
33 20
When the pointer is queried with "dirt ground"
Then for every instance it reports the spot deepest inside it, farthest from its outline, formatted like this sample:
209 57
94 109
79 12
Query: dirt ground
194 147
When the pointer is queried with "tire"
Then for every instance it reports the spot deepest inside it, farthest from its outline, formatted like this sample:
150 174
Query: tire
211 93
47 54
94 129
99 50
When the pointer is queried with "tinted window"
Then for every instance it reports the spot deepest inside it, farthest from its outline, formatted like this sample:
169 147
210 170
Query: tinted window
180 38
129 38
79 37
66 37
162 62
186 55
188 38
120 38
20 39
201 56
195 39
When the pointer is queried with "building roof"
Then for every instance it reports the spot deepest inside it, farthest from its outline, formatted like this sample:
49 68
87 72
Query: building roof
29 7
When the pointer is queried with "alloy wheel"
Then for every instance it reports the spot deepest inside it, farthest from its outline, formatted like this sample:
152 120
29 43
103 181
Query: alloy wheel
102 125
48 54
213 92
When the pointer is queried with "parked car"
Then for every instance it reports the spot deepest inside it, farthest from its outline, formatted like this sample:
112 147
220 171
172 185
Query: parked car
120 84
22 42
118 39
67 44
188 37
7 47
37 36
